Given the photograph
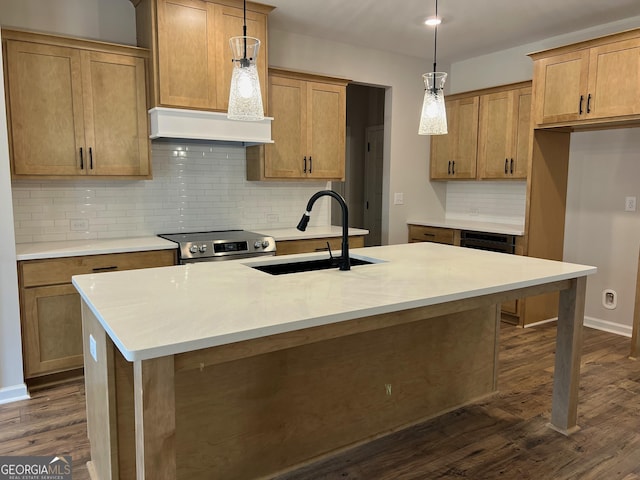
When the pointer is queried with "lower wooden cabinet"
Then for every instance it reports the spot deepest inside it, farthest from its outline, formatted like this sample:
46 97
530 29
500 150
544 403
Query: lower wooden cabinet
309 245
50 305
420 233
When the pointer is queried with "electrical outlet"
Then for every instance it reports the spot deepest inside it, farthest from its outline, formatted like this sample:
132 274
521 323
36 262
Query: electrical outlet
79 225
272 218
630 204
398 198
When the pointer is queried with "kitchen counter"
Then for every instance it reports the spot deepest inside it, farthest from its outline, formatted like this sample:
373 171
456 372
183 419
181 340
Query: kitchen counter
224 359
138 308
77 248
282 234
504 228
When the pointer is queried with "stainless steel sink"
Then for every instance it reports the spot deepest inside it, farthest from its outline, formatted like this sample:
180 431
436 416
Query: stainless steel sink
307 265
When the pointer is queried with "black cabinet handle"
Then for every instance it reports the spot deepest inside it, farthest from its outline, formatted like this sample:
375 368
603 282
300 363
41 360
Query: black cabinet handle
589 103
81 160
105 269
580 107
90 158
310 163
449 168
506 166
305 164
512 166
453 167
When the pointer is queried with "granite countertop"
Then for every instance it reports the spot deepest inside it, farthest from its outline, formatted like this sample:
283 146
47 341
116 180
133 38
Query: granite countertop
163 311
490 227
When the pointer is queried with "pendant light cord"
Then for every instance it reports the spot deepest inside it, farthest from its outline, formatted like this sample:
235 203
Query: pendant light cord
244 27
435 50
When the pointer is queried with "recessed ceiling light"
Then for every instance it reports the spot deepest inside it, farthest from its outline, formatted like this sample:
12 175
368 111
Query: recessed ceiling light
433 21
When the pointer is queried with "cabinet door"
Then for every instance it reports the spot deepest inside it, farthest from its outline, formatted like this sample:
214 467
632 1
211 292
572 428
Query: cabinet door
614 79
326 125
229 22
523 135
116 125
45 108
441 148
52 329
561 87
465 138
186 53
498 113
288 104
504 134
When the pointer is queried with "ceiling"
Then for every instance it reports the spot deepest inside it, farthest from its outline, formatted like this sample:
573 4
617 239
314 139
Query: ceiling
470 27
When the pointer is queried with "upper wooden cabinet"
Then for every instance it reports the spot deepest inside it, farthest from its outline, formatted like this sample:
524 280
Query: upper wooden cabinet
75 107
596 81
453 156
504 134
308 129
489 135
190 55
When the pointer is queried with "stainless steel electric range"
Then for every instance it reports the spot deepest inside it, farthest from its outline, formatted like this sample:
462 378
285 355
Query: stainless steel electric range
220 245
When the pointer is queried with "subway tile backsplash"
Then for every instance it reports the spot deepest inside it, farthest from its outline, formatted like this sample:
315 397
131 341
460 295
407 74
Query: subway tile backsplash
499 202
196 186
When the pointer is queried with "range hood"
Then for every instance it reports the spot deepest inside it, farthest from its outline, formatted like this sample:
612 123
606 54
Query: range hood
203 125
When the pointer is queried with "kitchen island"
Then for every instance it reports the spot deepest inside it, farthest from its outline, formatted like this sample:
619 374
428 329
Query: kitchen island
219 370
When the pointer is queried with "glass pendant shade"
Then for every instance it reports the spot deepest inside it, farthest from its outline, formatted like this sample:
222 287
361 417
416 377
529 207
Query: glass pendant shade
433 120
245 98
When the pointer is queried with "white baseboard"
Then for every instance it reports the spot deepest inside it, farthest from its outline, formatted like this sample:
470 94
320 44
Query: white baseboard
14 393
598 324
618 329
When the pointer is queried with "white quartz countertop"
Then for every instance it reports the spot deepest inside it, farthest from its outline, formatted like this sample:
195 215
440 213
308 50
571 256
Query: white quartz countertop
163 311
282 234
504 228
76 248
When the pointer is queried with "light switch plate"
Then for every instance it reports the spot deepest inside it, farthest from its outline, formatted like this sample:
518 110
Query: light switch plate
398 198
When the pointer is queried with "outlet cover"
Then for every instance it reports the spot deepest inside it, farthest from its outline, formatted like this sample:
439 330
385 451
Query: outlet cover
398 198
79 225
630 204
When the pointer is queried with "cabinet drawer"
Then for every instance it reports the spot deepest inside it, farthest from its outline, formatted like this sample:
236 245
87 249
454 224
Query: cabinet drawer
54 271
288 247
418 233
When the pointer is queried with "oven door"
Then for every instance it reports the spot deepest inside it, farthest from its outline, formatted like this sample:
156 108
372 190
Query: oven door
495 242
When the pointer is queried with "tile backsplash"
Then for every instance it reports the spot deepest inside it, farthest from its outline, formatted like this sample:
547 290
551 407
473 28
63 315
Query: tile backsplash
196 186
499 202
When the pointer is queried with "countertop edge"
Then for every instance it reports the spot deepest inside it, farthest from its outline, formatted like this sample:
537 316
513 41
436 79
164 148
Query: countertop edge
489 227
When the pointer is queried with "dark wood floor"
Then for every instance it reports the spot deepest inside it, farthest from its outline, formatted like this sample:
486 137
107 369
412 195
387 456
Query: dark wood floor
505 437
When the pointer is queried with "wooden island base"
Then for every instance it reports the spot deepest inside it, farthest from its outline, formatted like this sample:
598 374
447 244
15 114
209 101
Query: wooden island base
258 407
251 409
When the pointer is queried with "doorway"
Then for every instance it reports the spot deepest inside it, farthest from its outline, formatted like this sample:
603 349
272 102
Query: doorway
362 188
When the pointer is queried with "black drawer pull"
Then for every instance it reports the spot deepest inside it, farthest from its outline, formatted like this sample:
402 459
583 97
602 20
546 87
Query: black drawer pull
305 164
90 158
449 168
506 166
453 167
580 107
512 166
310 163
589 103
81 160
105 269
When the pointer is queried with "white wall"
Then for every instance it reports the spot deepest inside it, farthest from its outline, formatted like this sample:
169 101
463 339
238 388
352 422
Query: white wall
406 156
602 171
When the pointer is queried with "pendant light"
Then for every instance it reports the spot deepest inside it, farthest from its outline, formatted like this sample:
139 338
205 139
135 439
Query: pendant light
433 119
245 98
